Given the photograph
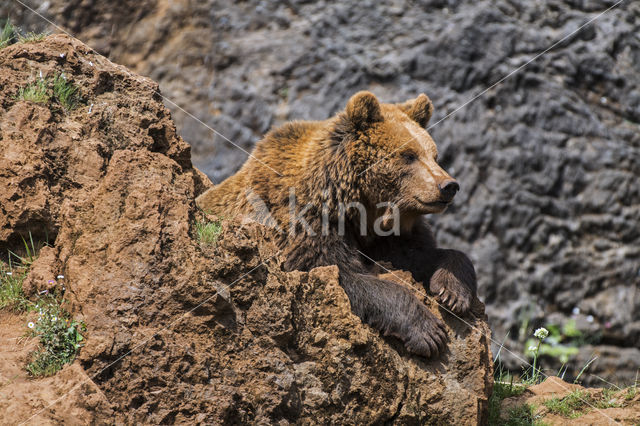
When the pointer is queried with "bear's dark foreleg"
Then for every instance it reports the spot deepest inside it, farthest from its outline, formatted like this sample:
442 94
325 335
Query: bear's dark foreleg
384 305
392 309
447 274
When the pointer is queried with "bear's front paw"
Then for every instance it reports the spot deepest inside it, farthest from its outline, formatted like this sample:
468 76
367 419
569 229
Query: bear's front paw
427 334
452 291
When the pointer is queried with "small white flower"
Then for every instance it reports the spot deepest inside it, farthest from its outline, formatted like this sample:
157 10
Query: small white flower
31 325
541 333
62 55
576 311
54 319
60 277
590 318
532 348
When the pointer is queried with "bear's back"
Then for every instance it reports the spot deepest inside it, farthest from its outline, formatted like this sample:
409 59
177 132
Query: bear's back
276 162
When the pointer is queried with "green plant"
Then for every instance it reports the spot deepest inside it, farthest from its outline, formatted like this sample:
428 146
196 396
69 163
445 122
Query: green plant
30 252
8 34
65 92
570 406
35 92
13 273
518 415
631 392
503 387
580 402
521 415
32 37
584 369
208 232
534 373
11 295
562 343
60 337
58 88
608 398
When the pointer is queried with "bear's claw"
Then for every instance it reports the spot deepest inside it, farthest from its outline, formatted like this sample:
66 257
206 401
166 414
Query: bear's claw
450 292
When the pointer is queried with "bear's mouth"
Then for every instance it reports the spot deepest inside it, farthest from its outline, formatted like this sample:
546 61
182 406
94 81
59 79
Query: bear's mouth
440 203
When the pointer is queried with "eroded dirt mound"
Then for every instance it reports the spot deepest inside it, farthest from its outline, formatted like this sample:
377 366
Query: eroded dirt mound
22 399
178 331
556 402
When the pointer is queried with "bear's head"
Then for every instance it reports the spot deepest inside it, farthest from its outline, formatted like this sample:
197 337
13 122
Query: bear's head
393 157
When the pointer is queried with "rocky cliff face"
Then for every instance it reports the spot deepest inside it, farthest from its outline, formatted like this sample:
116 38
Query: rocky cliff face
179 331
548 159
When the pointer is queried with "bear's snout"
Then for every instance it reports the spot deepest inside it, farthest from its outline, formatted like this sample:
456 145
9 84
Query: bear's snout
448 189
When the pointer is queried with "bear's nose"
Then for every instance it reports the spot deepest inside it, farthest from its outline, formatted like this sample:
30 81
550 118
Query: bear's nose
448 189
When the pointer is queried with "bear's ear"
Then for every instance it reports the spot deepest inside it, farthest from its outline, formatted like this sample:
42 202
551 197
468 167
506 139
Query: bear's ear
363 109
418 109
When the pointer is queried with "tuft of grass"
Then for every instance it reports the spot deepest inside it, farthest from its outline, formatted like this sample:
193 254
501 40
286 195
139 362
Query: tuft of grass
13 273
8 34
519 415
584 369
608 398
503 387
501 391
30 254
11 295
579 402
65 92
58 88
35 92
570 406
207 232
631 392
60 338
32 37
522 415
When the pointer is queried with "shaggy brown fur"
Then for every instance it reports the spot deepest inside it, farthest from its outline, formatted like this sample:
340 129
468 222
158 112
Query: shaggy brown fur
370 153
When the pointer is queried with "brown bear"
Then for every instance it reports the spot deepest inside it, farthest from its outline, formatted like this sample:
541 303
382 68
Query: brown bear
353 188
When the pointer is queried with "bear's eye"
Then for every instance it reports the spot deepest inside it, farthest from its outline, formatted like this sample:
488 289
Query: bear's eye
409 156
